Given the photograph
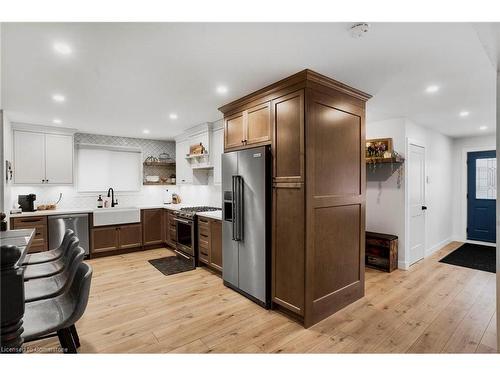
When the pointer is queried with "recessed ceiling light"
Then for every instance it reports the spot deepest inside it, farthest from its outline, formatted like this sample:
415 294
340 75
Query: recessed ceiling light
146 131
173 116
464 113
57 121
483 127
62 48
221 90
432 89
58 98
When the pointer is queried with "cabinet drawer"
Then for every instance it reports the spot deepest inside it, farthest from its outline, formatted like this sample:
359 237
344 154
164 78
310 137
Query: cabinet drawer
29 222
203 254
203 241
39 224
203 230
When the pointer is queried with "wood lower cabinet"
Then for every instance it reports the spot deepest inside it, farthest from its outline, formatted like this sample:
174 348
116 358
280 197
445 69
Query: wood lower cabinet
130 236
216 244
210 242
170 229
112 238
153 226
105 239
318 235
39 223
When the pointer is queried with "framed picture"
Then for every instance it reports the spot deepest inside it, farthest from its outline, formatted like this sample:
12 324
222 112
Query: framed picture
378 148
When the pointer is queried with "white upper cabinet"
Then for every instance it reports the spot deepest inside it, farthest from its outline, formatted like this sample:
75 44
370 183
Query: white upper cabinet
29 158
58 159
216 154
42 158
184 174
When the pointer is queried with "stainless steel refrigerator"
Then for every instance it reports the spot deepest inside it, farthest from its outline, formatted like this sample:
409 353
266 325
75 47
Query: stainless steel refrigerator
246 230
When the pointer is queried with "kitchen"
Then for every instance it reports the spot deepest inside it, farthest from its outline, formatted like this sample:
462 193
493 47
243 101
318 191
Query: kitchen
235 157
214 214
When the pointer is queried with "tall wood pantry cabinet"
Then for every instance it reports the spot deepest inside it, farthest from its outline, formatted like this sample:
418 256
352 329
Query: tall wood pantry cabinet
316 128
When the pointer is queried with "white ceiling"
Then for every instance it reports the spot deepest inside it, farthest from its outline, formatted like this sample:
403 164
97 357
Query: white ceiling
123 78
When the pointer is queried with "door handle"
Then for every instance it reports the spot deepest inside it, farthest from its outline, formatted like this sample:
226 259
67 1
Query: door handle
424 208
233 201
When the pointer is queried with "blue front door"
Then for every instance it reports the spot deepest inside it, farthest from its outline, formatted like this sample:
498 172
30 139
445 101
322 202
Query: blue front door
481 196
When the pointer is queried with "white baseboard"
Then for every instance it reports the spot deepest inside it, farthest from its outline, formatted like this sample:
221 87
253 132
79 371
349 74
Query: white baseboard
403 265
431 250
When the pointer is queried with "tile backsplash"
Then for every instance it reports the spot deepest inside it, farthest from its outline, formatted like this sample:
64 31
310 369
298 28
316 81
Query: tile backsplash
149 147
148 195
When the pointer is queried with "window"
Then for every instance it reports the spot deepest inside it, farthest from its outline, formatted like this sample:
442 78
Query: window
101 167
486 178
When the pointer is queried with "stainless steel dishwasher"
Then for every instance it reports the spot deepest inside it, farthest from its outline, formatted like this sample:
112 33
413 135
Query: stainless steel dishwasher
79 223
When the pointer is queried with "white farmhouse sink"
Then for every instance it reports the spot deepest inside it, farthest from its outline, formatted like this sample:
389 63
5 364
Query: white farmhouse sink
116 215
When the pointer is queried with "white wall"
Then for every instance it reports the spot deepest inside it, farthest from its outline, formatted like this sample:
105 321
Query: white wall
459 208
6 155
385 201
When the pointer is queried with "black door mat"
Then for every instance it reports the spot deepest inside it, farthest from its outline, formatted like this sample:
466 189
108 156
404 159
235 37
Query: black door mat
469 255
172 265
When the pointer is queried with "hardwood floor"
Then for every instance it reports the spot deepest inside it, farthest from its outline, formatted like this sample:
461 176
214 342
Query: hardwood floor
432 308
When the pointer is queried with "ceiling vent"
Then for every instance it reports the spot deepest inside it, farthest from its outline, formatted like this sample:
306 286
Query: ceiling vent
359 30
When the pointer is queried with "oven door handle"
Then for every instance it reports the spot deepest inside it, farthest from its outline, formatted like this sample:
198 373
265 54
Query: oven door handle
179 253
182 221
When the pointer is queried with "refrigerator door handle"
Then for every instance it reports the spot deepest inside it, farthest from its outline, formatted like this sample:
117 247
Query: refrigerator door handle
233 207
239 208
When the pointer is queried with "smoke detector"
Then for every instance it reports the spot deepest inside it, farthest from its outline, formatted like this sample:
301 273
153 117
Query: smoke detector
359 30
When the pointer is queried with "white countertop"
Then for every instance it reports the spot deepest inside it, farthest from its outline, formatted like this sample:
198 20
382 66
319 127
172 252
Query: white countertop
211 214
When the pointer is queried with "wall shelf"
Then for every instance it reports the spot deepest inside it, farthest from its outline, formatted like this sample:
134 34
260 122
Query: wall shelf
196 156
157 183
159 163
397 160
202 167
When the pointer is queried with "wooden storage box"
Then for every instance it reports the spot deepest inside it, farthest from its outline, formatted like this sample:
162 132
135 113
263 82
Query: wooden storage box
381 251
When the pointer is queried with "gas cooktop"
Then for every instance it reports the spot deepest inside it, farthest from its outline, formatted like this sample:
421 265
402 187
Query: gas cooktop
200 209
190 212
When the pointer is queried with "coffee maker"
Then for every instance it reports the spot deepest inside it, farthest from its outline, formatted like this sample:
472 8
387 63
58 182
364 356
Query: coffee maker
27 202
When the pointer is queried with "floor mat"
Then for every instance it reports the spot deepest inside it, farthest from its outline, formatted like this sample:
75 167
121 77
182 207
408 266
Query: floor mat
172 265
469 255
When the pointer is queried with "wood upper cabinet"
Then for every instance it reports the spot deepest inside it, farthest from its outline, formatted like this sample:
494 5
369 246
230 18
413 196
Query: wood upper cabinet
288 113
152 226
234 131
248 128
258 124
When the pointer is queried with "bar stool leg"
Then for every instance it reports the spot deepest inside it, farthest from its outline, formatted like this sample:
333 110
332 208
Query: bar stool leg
74 334
66 340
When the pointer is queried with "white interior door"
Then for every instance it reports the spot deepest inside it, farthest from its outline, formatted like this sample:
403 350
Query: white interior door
416 195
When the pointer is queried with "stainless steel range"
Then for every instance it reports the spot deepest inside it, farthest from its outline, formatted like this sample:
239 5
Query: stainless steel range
186 230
